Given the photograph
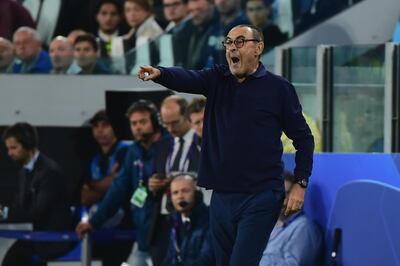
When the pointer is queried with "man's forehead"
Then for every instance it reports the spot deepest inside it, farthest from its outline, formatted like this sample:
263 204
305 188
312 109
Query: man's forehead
240 32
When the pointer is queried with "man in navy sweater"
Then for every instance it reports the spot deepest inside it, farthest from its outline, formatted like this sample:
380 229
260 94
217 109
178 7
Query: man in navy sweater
247 109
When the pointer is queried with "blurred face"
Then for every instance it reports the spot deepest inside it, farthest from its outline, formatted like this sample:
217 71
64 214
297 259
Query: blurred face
196 121
26 47
135 14
257 13
85 54
16 151
108 18
227 7
183 195
6 54
176 124
174 10
242 61
103 133
201 11
141 126
61 54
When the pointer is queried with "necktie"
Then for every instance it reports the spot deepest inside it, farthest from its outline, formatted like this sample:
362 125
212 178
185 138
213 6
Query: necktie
175 165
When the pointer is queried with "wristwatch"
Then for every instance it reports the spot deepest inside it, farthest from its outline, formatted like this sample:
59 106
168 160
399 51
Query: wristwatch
302 182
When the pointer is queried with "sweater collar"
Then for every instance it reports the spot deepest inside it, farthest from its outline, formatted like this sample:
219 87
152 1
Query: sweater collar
260 72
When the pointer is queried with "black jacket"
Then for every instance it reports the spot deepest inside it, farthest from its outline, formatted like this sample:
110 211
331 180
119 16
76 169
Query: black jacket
43 200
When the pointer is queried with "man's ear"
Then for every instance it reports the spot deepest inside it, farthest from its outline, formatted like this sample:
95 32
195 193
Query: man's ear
259 48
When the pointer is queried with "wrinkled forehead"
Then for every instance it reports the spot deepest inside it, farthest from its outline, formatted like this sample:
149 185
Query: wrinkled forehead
244 32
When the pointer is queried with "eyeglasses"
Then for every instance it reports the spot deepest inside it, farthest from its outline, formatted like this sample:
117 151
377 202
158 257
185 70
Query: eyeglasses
239 42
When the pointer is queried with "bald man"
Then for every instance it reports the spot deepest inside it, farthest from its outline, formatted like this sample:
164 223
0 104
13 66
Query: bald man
28 48
177 153
6 55
61 54
189 243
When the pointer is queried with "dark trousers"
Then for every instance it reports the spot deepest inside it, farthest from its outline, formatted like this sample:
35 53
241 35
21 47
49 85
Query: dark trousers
241 225
159 244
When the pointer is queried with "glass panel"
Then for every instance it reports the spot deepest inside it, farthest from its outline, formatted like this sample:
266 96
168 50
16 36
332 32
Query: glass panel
268 60
303 77
303 69
358 98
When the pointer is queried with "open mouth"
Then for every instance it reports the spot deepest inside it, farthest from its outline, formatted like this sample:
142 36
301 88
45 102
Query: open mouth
235 59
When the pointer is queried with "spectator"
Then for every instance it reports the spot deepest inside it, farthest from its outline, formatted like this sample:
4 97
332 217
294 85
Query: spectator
28 48
176 12
259 13
86 55
61 55
195 114
144 28
133 179
12 17
295 239
41 200
190 44
177 153
108 17
103 168
231 14
189 243
6 56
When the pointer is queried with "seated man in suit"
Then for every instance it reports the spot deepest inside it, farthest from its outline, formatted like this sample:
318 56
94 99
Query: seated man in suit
190 242
42 198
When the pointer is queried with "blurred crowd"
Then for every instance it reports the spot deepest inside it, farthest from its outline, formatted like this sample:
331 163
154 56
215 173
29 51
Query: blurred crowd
149 185
102 36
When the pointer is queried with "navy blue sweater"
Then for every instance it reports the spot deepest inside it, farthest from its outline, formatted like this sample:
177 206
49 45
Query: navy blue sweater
243 123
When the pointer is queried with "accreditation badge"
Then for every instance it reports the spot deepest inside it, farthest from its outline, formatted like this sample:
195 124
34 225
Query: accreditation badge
139 196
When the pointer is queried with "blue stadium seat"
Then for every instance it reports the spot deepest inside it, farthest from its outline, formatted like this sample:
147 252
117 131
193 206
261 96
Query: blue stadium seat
367 212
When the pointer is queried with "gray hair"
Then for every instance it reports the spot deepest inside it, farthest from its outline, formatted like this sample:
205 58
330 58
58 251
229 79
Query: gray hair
35 35
64 40
6 42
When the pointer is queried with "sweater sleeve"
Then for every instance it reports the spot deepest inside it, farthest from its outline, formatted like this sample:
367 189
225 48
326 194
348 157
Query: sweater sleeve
296 128
188 81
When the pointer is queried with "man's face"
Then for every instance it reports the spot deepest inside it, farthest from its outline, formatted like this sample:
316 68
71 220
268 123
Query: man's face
141 125
103 133
6 54
201 11
243 61
173 120
108 18
16 151
227 7
196 121
257 13
174 10
61 54
85 54
134 14
183 194
26 47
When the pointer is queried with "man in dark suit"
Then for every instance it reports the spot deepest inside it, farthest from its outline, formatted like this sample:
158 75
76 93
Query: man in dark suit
177 153
42 198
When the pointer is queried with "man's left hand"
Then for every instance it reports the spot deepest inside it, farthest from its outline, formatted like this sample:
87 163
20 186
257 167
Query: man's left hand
294 201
